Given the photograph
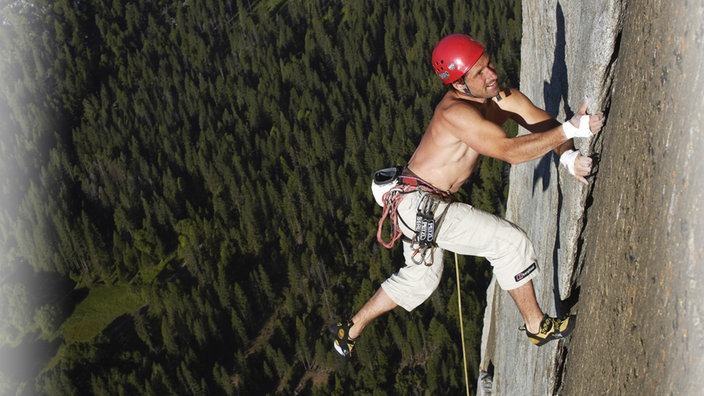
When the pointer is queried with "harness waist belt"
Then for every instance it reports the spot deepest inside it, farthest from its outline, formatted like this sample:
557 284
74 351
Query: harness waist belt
409 178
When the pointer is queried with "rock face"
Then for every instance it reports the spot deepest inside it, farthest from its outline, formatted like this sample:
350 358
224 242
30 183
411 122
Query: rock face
625 253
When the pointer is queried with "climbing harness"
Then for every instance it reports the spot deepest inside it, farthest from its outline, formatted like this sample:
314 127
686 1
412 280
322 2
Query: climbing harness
426 226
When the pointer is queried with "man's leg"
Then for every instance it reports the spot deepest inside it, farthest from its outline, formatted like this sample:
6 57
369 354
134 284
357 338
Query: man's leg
540 328
524 297
345 336
379 304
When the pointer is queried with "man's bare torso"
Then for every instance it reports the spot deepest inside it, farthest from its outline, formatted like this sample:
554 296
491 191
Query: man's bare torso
442 158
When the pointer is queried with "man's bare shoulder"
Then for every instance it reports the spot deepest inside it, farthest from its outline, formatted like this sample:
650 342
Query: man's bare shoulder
457 111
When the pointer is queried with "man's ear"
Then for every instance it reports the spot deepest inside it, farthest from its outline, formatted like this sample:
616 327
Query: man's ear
460 86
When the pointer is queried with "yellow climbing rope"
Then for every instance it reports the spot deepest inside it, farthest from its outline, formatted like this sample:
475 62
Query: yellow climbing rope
459 304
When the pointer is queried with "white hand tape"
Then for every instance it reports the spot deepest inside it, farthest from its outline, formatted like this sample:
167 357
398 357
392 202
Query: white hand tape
568 159
583 130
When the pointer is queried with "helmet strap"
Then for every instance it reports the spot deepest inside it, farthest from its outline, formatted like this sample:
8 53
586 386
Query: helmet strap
466 91
465 88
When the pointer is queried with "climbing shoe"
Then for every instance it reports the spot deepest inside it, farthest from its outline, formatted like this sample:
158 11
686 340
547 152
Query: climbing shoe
551 329
343 344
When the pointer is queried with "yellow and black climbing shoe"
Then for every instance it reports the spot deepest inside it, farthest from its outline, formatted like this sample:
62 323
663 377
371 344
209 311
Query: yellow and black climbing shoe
551 329
343 344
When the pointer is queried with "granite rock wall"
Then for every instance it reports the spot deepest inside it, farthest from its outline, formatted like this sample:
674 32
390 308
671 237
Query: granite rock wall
626 252
568 54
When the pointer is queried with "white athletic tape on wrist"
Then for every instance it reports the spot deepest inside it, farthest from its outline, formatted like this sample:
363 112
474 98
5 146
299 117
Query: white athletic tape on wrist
568 159
583 130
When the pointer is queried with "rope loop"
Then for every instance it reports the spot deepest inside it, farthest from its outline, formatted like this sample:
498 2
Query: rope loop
391 200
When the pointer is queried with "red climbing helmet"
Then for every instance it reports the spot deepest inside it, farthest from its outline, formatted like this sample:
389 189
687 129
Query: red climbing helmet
454 55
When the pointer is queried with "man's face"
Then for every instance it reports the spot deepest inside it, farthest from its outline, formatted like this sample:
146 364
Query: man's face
481 79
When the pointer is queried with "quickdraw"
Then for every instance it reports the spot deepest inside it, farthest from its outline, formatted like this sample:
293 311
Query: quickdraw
426 226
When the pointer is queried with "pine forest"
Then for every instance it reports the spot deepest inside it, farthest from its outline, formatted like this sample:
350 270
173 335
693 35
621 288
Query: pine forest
186 200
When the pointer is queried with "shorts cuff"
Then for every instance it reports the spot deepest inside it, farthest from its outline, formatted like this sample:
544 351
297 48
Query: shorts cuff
516 280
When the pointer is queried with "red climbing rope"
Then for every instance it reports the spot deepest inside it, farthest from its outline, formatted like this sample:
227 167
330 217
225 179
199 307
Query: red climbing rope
391 200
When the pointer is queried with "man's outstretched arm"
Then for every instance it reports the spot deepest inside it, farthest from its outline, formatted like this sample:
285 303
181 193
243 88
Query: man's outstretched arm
537 120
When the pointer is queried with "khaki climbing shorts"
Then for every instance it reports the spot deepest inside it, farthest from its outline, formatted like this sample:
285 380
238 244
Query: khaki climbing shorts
463 230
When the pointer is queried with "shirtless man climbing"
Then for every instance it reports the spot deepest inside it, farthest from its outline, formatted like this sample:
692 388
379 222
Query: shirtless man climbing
465 126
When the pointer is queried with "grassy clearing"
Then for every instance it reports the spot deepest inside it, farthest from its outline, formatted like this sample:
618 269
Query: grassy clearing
102 305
